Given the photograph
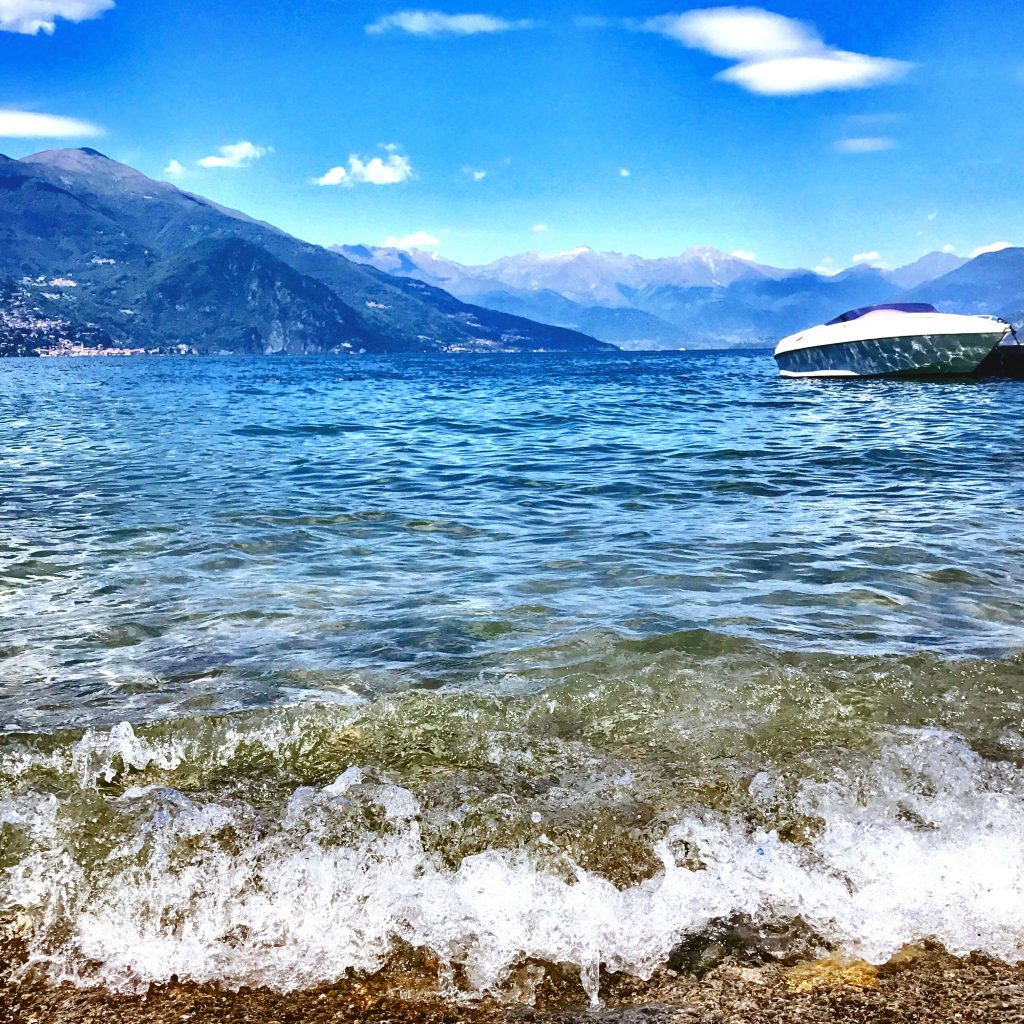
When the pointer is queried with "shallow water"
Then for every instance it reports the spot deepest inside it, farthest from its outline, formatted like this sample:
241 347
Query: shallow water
544 659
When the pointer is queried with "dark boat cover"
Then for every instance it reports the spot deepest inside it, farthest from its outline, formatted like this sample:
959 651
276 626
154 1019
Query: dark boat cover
900 307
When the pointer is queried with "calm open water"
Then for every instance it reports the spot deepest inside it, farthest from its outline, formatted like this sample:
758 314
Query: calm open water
540 659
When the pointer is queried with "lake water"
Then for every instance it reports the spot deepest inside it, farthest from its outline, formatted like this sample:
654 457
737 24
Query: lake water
516 660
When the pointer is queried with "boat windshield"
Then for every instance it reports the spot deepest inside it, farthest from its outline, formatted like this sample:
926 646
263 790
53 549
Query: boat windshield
898 307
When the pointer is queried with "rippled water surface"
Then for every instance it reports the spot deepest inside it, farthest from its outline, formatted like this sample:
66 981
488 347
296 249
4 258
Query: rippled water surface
543 659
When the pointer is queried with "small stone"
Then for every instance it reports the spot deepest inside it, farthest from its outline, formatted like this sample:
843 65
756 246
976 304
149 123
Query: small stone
831 973
750 975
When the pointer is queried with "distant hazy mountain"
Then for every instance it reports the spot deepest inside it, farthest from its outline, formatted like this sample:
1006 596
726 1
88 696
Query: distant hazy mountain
580 275
990 283
702 298
92 249
927 268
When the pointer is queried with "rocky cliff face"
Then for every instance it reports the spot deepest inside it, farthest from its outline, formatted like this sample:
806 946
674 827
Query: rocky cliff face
239 298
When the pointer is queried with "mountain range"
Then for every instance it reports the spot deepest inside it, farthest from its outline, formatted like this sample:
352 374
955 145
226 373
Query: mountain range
702 298
97 257
95 254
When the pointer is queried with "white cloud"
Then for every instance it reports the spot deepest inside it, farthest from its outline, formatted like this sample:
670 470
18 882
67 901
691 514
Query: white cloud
865 144
867 257
30 17
436 23
738 33
933 214
417 240
776 56
474 174
335 176
794 76
624 172
24 124
827 267
174 169
949 248
993 247
238 154
743 254
391 171
538 228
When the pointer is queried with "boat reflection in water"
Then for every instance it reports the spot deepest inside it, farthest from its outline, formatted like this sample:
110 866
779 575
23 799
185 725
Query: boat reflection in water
909 339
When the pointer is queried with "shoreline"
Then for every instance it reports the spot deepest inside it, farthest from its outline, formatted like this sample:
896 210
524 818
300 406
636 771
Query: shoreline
921 984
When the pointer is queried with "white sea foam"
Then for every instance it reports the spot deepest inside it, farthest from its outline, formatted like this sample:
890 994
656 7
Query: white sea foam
101 755
926 843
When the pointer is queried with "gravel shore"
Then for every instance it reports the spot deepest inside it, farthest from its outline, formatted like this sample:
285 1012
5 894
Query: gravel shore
921 986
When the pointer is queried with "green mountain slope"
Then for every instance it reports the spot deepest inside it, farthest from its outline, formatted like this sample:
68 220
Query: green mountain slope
152 265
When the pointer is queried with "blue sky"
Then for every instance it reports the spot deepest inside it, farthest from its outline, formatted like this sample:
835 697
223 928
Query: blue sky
804 133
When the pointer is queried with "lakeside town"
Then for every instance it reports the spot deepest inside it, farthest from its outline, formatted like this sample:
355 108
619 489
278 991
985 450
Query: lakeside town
28 329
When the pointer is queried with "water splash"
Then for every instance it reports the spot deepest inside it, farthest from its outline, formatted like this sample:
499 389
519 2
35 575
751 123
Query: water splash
923 842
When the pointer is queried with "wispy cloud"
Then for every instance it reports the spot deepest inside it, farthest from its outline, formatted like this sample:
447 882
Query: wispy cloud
624 172
861 123
475 174
417 240
26 124
390 171
238 154
437 23
949 247
827 267
775 55
991 247
744 254
865 144
867 257
174 169
539 228
30 17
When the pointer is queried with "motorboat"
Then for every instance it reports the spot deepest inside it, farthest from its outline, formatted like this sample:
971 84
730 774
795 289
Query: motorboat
895 339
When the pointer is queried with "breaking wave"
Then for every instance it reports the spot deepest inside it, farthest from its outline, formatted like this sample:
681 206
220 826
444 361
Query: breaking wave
120 870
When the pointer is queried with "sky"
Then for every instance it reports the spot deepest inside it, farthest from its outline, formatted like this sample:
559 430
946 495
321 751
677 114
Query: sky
798 134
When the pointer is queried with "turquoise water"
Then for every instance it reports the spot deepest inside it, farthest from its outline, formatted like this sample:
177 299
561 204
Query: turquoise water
516 659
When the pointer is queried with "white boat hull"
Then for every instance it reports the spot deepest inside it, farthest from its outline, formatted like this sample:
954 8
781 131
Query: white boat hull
916 355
